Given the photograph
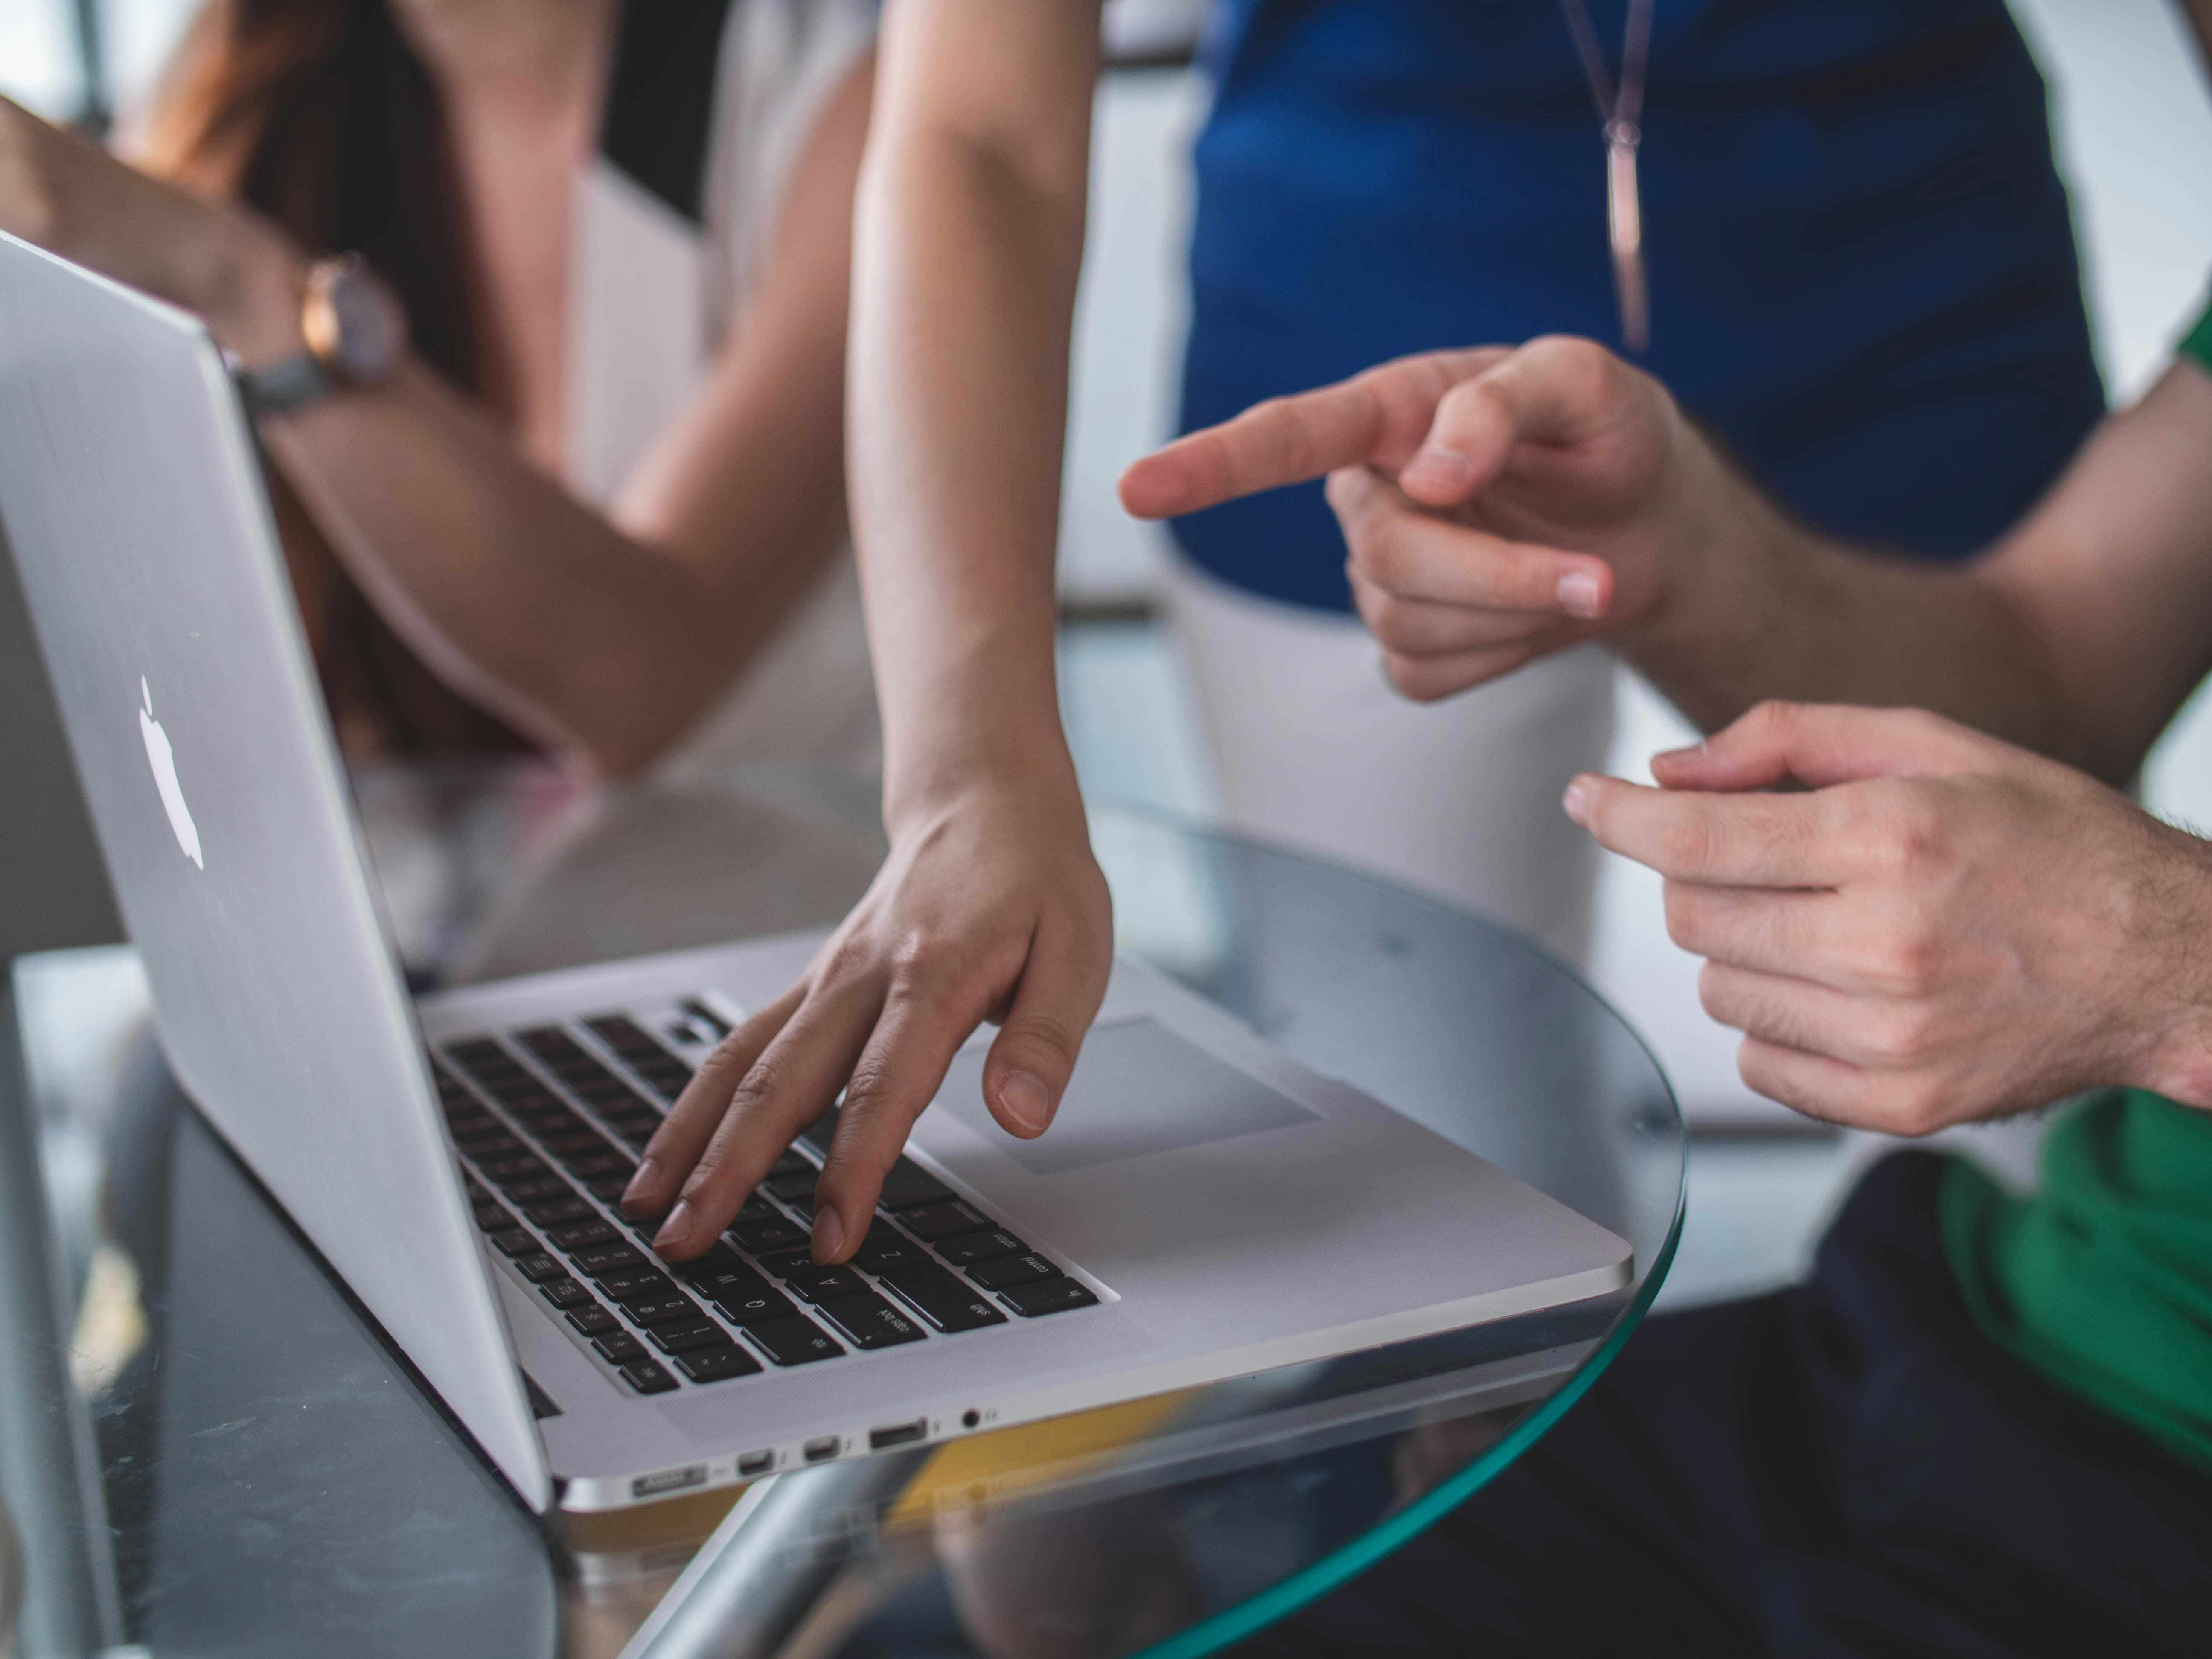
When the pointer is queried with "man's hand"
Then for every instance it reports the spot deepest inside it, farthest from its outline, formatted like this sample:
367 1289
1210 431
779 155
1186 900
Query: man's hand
1942 928
1461 479
990 907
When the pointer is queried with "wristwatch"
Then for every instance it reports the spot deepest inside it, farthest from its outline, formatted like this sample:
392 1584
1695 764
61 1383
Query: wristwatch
354 330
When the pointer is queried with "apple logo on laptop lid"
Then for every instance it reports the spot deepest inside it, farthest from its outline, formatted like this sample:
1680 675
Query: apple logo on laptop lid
163 760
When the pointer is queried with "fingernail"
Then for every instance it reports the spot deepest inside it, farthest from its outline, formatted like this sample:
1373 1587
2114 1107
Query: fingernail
1579 593
642 1183
1439 466
829 1235
1025 1099
1577 800
1677 753
674 1231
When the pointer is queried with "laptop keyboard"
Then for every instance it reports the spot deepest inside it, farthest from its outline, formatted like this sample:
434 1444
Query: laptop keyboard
548 1121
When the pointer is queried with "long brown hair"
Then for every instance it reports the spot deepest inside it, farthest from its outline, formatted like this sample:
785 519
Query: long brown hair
321 115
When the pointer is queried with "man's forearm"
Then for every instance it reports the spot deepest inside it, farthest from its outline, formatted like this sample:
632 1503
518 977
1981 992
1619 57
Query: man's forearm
1764 607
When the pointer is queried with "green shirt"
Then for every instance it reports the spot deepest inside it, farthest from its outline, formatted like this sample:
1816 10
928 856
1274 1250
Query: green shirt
2103 1280
2197 342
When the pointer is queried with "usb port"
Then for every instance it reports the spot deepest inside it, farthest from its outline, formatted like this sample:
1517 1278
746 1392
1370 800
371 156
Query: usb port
759 1462
825 1447
898 1434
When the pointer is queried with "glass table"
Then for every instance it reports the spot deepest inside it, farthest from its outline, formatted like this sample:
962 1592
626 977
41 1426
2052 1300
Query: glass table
205 1445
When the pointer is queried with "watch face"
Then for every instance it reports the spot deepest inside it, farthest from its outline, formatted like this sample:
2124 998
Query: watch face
366 332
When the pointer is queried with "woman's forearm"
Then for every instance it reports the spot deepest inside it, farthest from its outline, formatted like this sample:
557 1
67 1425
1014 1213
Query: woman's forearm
594 641
969 235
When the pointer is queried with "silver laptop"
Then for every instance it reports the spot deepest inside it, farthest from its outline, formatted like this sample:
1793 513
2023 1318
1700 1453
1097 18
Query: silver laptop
1202 1208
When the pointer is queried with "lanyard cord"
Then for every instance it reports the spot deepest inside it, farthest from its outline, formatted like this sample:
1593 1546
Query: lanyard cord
1619 111
1635 49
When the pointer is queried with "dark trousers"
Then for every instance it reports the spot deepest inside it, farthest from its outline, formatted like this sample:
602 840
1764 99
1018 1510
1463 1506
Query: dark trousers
1846 1467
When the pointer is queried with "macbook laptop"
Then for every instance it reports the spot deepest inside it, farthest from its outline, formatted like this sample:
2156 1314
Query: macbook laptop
1202 1208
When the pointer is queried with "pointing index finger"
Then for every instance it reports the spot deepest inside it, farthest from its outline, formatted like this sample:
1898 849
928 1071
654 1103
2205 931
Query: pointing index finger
1378 418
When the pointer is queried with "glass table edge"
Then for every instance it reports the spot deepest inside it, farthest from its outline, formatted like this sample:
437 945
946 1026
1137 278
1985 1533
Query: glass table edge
1310 1583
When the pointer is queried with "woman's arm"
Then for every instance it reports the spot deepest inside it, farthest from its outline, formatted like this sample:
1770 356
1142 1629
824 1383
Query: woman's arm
603 637
969 234
610 634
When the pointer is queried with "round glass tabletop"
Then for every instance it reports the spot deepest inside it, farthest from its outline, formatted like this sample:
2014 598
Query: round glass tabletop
223 1453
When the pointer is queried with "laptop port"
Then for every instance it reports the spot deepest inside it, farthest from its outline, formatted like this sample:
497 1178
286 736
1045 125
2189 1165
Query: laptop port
826 1447
898 1434
759 1462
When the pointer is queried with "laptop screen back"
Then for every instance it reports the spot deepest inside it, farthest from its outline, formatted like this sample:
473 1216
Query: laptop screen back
131 499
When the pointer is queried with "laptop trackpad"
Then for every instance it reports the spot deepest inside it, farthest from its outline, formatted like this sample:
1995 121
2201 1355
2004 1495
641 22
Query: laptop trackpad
1138 1089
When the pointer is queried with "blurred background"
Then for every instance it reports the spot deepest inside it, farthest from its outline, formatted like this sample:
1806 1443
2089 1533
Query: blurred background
2134 128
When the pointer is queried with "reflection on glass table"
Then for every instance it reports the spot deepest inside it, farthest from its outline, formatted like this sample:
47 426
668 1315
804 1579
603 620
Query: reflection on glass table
219 1452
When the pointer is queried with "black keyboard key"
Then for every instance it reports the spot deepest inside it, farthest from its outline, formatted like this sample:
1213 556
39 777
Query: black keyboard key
812 1283
936 1221
749 1308
819 1133
785 1263
667 1079
539 1267
549 1043
717 1364
683 1338
669 1308
969 1248
770 1234
578 1142
886 1252
755 1208
866 1321
538 1188
559 1212
798 1184
592 1320
639 1282
719 1271
492 1218
618 1348
581 1235
564 1293
705 1016
514 1241
604 1258
609 1189
942 1300
618 1031
522 1167
791 1163
794 1341
646 1377
497 1144
1010 1270
908 1186
592 1166
1046 1296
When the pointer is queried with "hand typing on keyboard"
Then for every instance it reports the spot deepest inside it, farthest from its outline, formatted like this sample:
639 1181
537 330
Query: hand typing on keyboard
995 912
534 1139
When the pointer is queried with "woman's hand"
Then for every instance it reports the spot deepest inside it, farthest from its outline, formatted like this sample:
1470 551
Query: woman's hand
990 907
71 197
1460 478
1942 928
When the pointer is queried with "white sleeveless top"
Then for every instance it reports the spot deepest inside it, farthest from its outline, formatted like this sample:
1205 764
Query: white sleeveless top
710 104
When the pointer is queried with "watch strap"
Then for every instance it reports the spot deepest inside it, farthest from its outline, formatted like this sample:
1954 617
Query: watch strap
287 384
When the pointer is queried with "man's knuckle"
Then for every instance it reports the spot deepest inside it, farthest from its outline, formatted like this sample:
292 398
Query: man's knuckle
1686 912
